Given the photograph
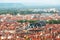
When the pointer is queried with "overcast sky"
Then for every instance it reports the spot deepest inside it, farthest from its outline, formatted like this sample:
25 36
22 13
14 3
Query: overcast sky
33 2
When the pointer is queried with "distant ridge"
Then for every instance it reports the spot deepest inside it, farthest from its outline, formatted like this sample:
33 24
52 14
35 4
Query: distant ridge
11 5
20 5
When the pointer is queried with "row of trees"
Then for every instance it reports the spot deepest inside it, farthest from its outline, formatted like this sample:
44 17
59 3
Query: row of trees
34 21
53 22
30 21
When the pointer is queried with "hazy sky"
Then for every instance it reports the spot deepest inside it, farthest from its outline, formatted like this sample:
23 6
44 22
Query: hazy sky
33 2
